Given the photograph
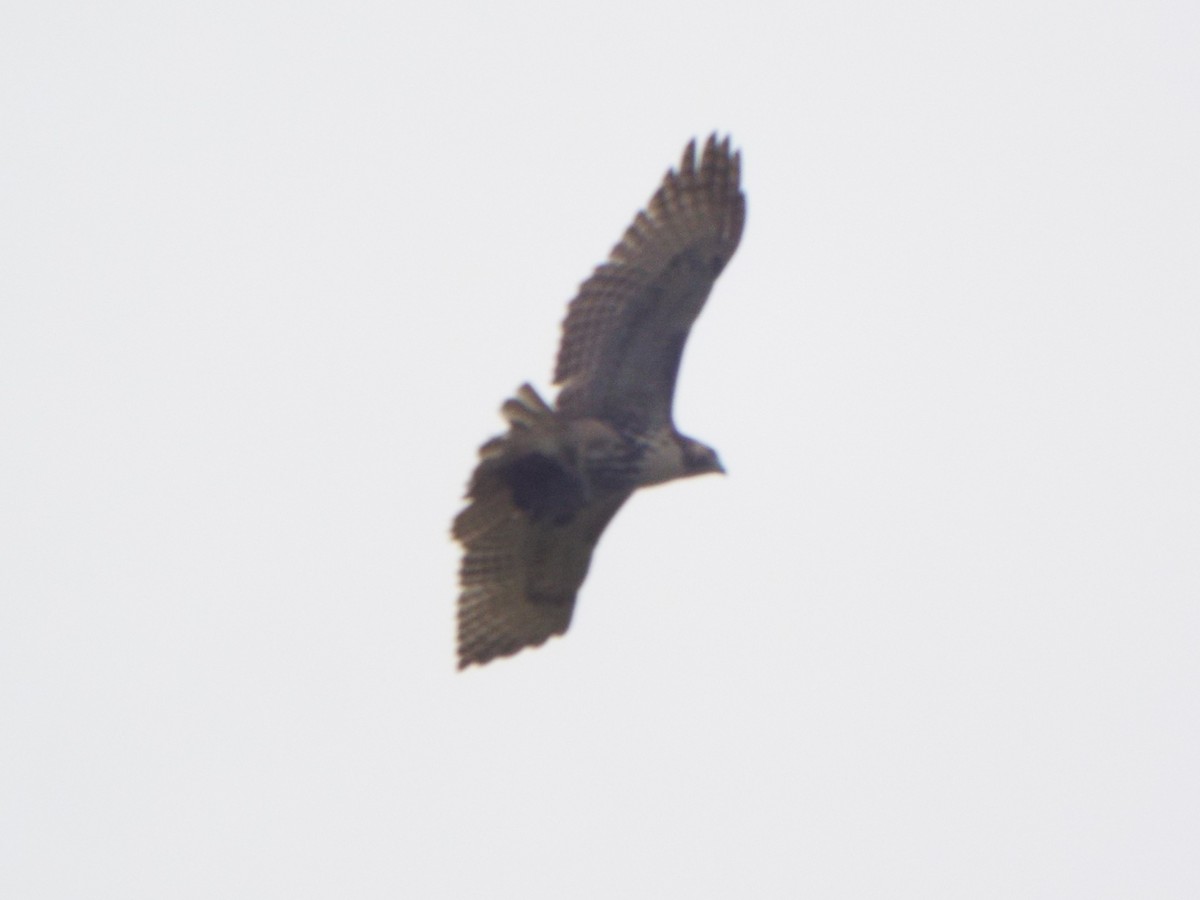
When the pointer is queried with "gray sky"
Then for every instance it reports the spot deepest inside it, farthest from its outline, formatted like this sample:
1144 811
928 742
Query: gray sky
269 271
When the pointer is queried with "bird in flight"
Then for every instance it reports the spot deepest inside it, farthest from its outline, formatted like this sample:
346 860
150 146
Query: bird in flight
543 492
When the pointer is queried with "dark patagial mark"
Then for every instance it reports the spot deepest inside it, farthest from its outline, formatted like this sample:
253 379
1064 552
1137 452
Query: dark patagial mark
544 489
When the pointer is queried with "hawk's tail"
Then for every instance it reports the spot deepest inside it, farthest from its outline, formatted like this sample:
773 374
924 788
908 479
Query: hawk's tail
526 409
533 428
531 421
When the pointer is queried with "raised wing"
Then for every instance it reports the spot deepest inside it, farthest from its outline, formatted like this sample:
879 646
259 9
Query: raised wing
625 331
528 534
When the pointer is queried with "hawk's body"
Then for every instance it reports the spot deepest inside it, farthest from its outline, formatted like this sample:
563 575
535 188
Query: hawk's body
543 493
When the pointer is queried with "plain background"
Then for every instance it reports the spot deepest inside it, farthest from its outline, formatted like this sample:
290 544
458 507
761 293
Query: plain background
268 271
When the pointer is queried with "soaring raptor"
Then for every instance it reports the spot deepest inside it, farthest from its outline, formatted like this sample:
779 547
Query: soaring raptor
543 492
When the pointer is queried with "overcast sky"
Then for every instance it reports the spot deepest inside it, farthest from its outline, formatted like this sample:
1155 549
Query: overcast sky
267 271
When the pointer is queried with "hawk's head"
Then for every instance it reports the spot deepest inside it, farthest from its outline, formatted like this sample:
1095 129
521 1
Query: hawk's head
698 458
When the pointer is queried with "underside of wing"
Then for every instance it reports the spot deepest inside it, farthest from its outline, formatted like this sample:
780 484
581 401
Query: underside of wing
625 330
520 579
528 534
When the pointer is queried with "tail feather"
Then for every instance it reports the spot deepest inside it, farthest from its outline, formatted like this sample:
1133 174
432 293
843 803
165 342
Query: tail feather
533 428
526 409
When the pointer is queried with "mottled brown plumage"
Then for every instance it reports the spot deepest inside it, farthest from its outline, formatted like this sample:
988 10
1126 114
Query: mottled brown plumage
544 491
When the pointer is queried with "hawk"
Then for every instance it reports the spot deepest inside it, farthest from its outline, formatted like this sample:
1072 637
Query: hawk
543 493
